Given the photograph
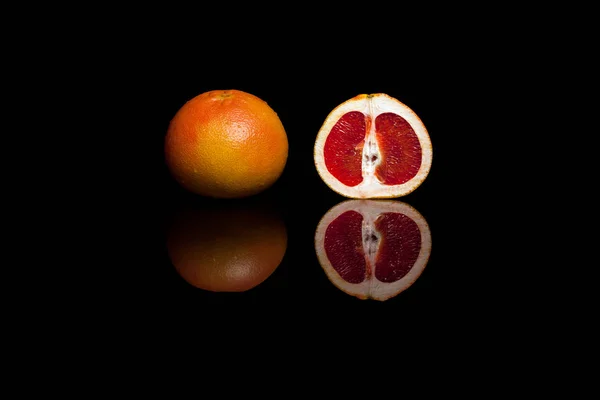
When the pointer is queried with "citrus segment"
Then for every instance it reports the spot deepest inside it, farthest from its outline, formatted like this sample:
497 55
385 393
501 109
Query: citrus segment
343 244
373 146
399 248
373 249
344 147
400 150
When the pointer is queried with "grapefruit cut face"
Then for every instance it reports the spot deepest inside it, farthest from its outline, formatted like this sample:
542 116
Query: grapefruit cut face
373 249
373 146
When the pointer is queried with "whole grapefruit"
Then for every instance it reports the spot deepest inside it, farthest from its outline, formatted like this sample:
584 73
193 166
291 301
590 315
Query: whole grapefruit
226 144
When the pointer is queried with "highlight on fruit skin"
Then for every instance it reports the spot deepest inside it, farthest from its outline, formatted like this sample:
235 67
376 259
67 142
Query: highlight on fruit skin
226 144
226 247
373 146
373 249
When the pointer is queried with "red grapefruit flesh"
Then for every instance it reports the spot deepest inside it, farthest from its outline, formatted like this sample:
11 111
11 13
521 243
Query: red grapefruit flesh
373 146
373 249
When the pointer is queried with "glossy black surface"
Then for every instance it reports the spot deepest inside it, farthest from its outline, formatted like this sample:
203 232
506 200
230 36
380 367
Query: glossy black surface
452 199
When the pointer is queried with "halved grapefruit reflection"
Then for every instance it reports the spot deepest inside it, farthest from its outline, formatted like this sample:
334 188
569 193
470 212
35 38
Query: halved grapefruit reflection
226 248
373 249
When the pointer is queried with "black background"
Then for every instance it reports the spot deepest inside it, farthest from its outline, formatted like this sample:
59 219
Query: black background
302 100
474 76
448 85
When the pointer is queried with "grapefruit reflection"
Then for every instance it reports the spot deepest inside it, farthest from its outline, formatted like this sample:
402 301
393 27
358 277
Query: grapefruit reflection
226 248
373 249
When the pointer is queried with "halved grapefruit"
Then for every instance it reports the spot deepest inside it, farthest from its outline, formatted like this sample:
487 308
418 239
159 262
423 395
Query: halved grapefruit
373 249
373 146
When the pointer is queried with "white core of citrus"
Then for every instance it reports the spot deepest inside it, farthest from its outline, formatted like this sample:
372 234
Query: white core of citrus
371 187
370 210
